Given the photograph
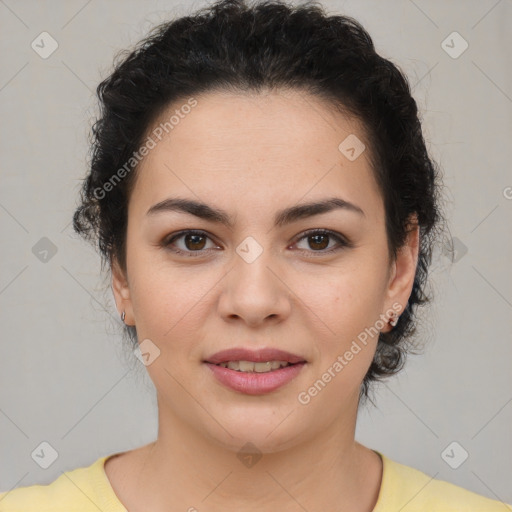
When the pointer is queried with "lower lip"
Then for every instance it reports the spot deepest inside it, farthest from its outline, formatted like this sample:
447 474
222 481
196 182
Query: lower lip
253 383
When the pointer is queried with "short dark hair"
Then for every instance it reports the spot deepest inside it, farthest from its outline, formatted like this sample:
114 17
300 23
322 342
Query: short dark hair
233 46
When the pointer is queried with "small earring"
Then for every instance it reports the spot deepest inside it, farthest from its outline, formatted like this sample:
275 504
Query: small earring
394 319
123 316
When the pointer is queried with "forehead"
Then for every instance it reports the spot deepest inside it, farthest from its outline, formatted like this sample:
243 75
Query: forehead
226 121
281 145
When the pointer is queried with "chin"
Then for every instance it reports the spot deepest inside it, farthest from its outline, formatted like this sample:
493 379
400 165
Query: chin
265 436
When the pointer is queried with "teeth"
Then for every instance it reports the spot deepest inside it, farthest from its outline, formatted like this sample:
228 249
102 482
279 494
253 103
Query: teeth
249 366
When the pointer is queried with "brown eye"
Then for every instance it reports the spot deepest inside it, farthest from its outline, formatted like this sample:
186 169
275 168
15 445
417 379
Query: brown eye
318 241
192 242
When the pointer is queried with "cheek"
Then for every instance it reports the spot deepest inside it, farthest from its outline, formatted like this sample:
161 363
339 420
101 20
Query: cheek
348 306
350 298
168 302
153 293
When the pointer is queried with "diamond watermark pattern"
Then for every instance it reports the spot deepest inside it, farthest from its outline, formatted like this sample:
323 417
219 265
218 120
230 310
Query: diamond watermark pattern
351 147
454 249
44 45
454 455
249 250
44 250
454 45
44 455
249 455
147 352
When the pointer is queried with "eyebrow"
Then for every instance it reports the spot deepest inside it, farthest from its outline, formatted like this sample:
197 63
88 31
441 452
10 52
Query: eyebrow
282 217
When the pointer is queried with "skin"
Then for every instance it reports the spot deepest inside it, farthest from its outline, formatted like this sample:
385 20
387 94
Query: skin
253 155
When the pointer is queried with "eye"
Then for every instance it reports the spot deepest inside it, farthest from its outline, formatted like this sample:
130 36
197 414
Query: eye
318 239
194 241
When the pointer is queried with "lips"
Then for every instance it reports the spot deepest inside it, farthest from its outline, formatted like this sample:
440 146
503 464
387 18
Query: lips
256 356
250 383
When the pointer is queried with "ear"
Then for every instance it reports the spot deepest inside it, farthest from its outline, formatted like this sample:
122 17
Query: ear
403 271
121 291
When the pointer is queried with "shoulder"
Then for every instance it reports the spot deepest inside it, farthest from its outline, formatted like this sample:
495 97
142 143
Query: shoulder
407 488
82 489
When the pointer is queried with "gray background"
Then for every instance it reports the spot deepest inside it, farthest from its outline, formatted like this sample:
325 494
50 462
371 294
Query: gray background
64 376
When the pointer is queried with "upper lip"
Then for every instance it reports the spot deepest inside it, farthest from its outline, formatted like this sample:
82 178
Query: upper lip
257 356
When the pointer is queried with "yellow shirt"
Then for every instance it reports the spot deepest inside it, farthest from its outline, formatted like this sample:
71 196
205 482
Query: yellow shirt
403 488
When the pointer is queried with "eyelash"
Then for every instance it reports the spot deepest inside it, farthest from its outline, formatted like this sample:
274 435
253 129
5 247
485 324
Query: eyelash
342 242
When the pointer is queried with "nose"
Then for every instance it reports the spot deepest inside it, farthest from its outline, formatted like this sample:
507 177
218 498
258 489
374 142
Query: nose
255 292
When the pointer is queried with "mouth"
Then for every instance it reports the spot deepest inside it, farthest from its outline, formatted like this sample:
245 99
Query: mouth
255 372
249 360
255 367
250 382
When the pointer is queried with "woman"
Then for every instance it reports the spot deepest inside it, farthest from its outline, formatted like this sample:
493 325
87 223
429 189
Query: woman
261 192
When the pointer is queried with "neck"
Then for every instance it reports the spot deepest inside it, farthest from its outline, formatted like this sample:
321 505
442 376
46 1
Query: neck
329 470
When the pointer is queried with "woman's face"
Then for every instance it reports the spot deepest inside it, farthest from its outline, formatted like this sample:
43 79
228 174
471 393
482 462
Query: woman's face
259 284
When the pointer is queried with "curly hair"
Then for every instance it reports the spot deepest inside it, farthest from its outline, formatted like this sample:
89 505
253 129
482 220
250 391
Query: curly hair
233 46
